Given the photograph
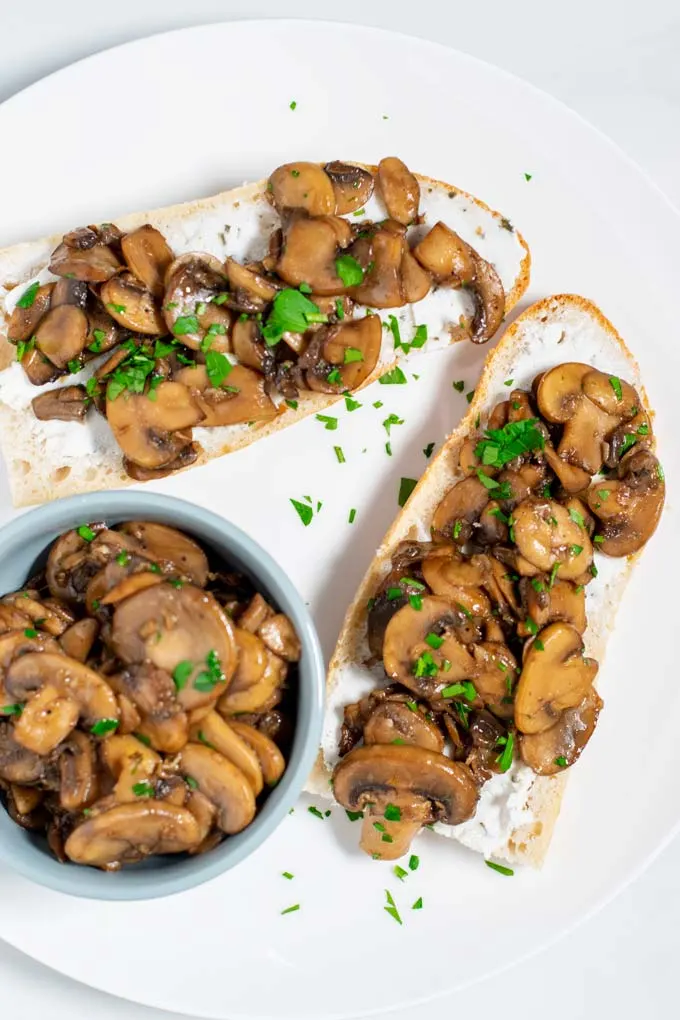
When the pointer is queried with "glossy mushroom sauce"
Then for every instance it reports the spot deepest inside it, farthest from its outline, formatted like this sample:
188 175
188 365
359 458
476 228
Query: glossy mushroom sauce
480 630
146 697
192 340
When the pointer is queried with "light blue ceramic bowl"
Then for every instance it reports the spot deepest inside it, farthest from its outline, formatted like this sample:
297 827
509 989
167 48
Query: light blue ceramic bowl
23 544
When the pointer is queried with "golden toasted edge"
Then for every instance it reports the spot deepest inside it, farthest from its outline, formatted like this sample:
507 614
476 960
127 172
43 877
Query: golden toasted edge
32 485
529 844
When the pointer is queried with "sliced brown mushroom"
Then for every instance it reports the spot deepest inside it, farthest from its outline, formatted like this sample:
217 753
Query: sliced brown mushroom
250 291
446 255
257 695
557 748
489 298
129 832
222 737
130 762
459 581
222 783
132 305
26 798
23 322
310 252
255 613
187 456
251 662
628 506
130 585
400 721
77 771
381 257
423 785
495 673
170 547
61 334
399 190
66 403
279 636
271 760
304 186
178 628
352 349
192 283
555 676
148 256
85 254
547 603
152 433
562 399
17 763
352 186
247 344
73 679
459 510
15 643
47 719
39 370
571 477
548 536
241 398
426 666
78 639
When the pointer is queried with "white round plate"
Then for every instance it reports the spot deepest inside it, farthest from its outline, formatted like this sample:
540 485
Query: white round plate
182 115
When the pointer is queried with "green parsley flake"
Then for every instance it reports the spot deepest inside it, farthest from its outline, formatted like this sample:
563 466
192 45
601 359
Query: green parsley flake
459 385
349 270
577 517
334 376
339 454
500 868
351 355
418 905
27 299
104 726
291 312
414 862
527 177
296 906
15 709
428 450
354 816
304 512
351 404
189 780
400 873
615 384
292 105
391 420
181 673
500 446
416 602
406 487
339 310
329 423
504 759
508 382
469 396
561 761
287 874
352 516
218 367
392 813
292 404
143 789
86 533
30 632
394 378
315 811
185 325
434 641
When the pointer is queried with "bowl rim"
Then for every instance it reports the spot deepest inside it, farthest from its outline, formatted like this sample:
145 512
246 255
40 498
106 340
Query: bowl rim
212 529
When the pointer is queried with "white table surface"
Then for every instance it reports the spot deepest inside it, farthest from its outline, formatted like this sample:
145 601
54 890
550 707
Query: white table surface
616 63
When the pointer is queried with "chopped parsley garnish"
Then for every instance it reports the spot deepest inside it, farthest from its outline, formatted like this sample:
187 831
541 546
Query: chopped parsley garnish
122 558
296 906
393 326
377 404
28 297
185 325
412 582
143 789
537 585
293 404
349 270
207 680
291 312
204 740
553 574
416 602
457 528
352 516
428 450
508 382
500 868
339 310
418 905
392 813
425 666
538 644
30 632
500 446
388 449
99 338
400 873
414 862
603 493
577 517
531 625
504 759
393 594
507 225
15 709
406 487
104 726
599 539
329 423
391 908
394 378
660 473
23 347
191 782
629 440
304 512
434 641
391 420
615 384
459 385
334 376
354 816
181 673
339 454
575 550
469 396
218 367
379 826
351 355
351 404
287 874
86 533
561 761
292 105
313 810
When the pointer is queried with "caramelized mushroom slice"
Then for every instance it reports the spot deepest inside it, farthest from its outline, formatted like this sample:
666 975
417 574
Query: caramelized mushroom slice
459 581
170 547
47 719
548 536
415 281
399 189
65 403
130 762
14 644
557 748
279 636
459 510
72 679
255 697
251 662
84 254
23 321
39 370
129 832
402 721
309 254
426 666
546 603
424 785
561 399
132 305
628 507
304 186
381 286
152 433
272 762
192 283
184 459
247 343
571 477
494 675
148 256
222 783
222 737
255 613
242 397
489 297
250 292
392 840
351 348
17 763
77 773
352 186
446 255
182 631
555 676
61 334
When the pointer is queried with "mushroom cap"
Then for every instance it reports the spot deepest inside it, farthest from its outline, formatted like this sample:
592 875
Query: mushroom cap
251 660
255 697
128 832
392 720
222 737
61 334
168 546
489 297
244 398
148 256
399 189
446 255
129 761
17 763
555 676
280 637
23 322
547 603
64 403
409 777
543 752
272 762
309 255
168 626
77 640
546 534
132 305
405 642
73 679
152 433
82 255
464 503
352 186
628 507
77 772
47 719
304 186
363 335
191 283
381 286
222 783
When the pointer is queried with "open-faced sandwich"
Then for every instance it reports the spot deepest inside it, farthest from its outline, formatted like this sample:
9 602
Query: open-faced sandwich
132 350
463 685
